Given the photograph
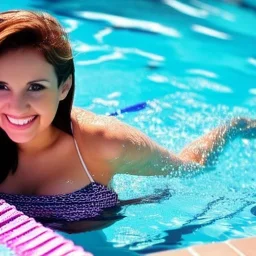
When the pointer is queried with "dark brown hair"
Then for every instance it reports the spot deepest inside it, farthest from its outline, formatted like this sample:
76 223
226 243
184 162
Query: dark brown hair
42 32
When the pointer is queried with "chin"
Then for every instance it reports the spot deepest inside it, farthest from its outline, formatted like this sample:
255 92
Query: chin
20 139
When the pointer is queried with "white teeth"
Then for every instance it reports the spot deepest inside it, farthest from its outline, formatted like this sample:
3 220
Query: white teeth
20 121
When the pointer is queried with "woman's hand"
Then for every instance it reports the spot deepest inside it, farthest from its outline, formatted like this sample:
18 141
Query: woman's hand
244 127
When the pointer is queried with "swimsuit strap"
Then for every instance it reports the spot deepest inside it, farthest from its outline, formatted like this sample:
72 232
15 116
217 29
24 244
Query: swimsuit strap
81 158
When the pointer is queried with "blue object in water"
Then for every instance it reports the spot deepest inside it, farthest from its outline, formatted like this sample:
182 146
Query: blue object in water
133 108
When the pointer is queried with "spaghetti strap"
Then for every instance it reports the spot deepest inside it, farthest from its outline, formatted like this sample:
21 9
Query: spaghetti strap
80 157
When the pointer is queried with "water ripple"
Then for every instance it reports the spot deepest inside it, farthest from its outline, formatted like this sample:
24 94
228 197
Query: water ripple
252 61
101 34
127 23
214 10
72 25
210 32
101 59
202 72
186 9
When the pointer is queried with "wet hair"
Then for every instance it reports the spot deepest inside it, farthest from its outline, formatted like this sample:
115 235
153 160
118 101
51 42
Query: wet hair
39 31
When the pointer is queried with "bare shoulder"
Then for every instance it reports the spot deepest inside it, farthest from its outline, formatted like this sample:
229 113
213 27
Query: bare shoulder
101 125
104 133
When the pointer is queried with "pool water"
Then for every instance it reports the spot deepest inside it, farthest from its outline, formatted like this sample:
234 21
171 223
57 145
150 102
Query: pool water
192 65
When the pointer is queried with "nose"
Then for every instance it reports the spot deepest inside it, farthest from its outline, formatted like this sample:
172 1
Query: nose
18 104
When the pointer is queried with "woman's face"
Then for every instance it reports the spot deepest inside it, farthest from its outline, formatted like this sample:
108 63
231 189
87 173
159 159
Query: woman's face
29 94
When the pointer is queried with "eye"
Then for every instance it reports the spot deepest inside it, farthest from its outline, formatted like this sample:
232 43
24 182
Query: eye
3 87
36 87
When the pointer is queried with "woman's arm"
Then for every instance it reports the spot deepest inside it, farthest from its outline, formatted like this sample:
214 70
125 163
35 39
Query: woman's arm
139 155
124 149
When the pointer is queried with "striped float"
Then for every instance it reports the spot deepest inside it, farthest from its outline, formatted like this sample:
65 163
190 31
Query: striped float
26 237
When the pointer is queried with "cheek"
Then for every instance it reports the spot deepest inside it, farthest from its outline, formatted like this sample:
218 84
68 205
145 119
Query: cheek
49 98
45 104
4 95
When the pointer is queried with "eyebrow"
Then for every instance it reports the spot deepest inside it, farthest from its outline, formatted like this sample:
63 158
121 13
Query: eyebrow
30 82
39 80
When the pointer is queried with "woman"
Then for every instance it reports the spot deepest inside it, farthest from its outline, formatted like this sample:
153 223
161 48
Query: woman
57 160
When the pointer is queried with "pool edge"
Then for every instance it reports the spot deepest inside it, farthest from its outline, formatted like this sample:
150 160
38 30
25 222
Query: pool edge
234 247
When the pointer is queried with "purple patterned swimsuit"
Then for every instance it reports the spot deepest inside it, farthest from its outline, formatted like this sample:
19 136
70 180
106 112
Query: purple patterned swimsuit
86 203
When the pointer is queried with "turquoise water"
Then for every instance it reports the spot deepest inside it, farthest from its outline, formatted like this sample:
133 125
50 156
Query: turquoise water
194 64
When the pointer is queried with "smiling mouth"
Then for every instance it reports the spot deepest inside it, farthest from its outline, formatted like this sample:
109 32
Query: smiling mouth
20 121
